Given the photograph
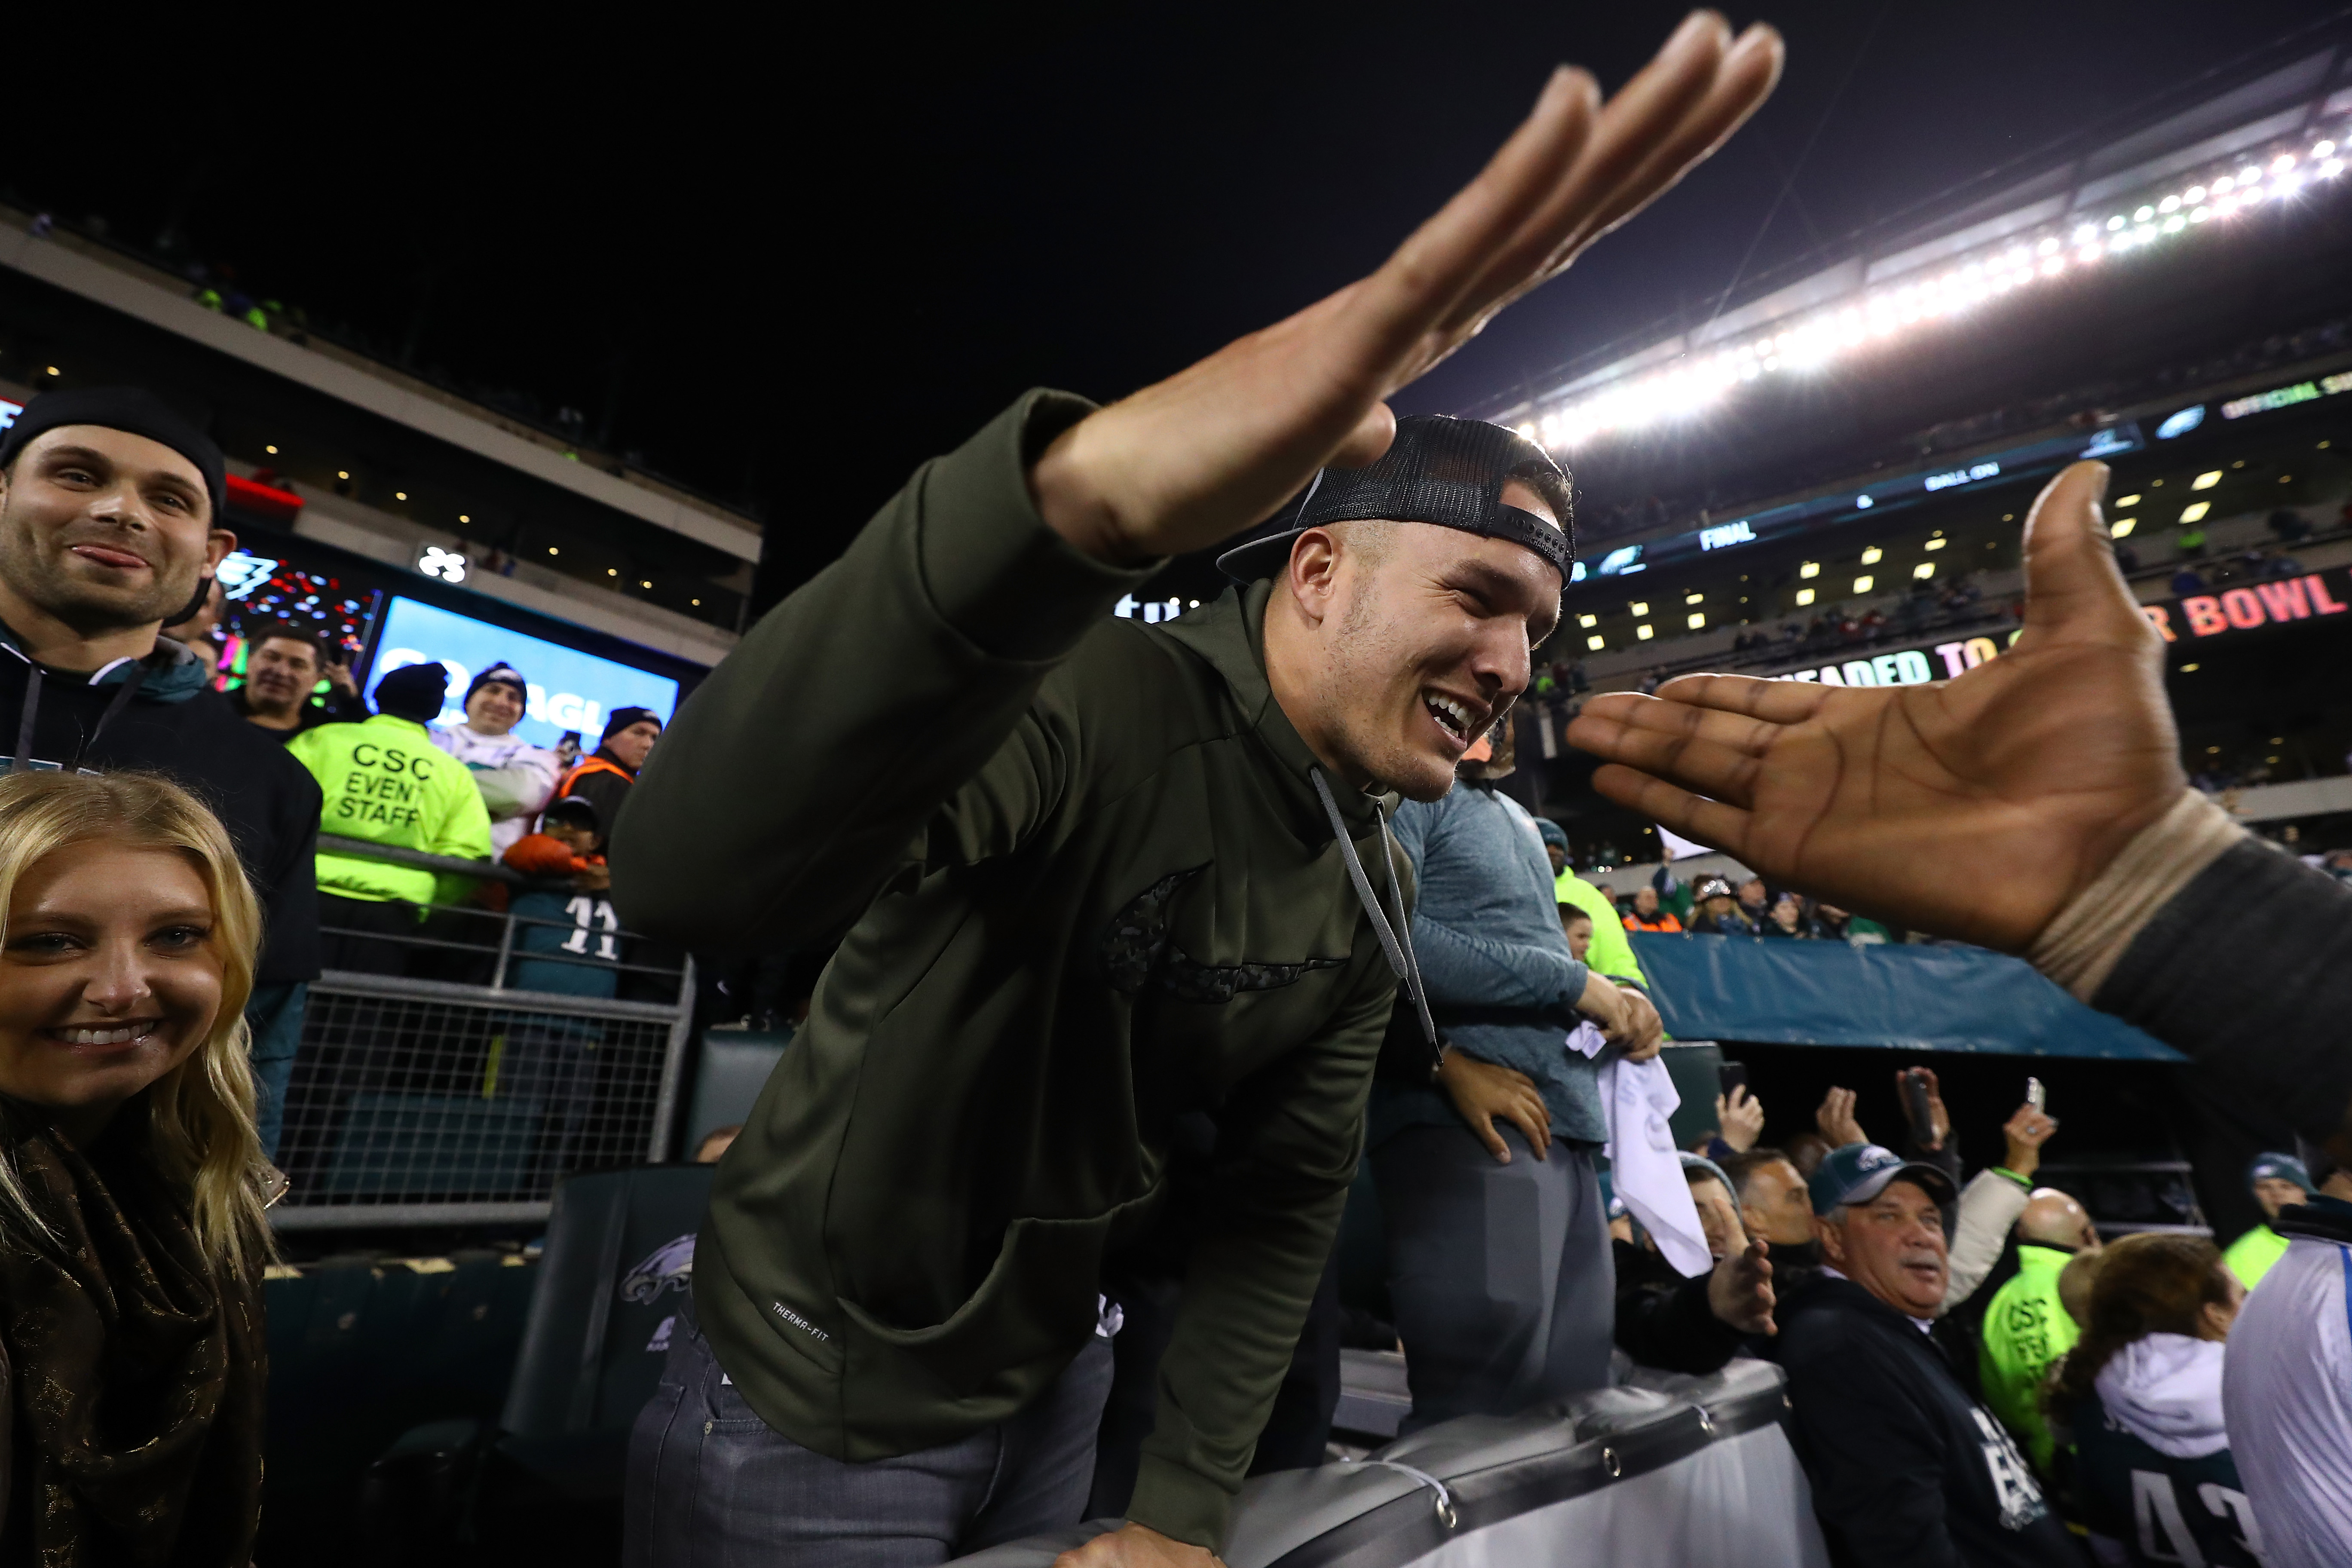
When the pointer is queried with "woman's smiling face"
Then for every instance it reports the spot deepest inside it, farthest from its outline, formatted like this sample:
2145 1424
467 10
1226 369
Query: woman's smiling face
108 979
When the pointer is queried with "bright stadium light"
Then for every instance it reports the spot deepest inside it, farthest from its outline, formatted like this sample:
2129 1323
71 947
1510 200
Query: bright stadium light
2122 527
1924 569
1871 556
1815 341
2195 510
2206 480
1596 643
1862 584
1804 595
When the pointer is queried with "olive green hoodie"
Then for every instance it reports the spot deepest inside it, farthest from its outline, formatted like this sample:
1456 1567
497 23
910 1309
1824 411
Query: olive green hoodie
1092 888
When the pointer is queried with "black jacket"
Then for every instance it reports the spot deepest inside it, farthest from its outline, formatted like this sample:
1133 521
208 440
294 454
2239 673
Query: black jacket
1907 1468
174 724
339 708
1663 1319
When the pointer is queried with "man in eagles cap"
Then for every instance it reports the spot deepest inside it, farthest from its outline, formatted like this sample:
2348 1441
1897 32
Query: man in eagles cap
1095 875
110 530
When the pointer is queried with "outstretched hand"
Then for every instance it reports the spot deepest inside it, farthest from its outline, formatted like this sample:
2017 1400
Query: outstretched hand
1975 808
1836 1120
2026 1133
1216 448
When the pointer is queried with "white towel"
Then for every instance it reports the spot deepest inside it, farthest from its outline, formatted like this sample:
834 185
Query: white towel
1643 1164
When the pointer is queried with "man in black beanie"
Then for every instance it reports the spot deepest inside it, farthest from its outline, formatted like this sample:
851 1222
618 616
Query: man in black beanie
602 778
110 528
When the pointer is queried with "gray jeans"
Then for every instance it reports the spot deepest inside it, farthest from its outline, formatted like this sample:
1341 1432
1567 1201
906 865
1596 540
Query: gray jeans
1503 1287
711 1486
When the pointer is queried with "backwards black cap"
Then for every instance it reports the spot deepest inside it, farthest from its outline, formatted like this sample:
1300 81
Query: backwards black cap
131 408
1439 470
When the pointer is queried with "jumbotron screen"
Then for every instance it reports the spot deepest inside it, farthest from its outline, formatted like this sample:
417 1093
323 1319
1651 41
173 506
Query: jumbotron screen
261 589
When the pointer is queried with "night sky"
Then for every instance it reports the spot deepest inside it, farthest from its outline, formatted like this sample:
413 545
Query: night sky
789 262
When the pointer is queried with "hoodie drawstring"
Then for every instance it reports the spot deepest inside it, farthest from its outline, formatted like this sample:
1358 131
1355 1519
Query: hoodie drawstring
121 700
1396 941
23 762
28 716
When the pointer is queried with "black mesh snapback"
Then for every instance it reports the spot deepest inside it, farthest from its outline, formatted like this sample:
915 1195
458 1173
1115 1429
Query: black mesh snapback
1441 470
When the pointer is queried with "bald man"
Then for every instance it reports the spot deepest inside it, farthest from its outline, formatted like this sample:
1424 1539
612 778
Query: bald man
2027 1326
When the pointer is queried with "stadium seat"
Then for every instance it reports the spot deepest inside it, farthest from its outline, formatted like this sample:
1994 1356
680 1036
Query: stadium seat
1674 1471
620 1252
734 1067
362 1349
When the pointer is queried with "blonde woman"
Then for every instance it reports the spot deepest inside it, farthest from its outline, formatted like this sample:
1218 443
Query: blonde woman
132 1185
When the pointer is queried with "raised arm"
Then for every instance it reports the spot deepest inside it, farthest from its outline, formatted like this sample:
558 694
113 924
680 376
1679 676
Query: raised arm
798 774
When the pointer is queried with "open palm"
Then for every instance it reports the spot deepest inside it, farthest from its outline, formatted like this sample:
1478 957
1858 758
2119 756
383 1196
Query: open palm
1193 459
1975 807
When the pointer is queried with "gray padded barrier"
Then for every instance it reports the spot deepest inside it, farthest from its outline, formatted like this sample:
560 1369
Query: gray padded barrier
1678 1472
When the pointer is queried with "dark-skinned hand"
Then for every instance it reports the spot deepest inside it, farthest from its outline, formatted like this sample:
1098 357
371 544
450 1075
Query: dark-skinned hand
1975 807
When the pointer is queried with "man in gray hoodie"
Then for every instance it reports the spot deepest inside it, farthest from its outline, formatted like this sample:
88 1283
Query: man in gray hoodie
1499 1265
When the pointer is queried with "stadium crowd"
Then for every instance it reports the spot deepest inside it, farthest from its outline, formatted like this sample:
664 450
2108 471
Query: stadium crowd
1975 1375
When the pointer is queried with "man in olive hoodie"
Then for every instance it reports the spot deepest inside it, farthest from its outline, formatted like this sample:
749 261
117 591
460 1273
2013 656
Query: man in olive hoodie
1096 875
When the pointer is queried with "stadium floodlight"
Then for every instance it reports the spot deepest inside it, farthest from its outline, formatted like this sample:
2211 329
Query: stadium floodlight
1804 595
1871 556
2121 528
2195 510
1861 584
1646 632
1813 342
1924 569
1596 643
1588 622
1810 569
1698 621
2206 480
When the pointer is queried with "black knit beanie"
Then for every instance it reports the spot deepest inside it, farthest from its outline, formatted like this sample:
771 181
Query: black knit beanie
413 691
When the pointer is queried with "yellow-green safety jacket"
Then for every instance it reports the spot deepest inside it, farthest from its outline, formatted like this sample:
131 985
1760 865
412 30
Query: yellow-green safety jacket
386 782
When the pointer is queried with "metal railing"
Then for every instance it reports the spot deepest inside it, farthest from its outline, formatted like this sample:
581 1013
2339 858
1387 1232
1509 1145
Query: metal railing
497 1061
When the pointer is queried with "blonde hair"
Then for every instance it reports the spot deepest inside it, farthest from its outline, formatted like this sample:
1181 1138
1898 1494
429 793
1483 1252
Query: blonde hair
198 1118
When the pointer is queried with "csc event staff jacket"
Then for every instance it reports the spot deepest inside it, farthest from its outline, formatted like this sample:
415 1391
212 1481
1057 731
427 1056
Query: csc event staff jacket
1090 887
386 782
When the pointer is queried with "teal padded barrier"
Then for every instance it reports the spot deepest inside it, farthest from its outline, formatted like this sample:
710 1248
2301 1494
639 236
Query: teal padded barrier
1904 997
